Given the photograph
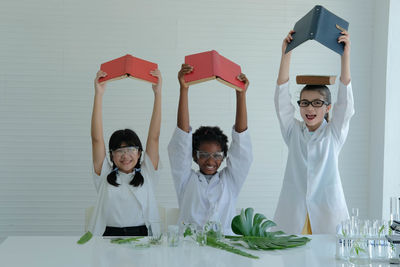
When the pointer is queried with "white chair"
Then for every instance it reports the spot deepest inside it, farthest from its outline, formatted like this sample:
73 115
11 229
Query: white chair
168 216
88 215
171 215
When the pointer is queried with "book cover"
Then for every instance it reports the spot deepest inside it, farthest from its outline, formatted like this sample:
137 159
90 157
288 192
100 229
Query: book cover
129 66
211 65
321 25
316 79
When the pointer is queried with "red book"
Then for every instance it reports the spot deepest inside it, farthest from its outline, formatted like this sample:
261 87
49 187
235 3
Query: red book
211 65
129 66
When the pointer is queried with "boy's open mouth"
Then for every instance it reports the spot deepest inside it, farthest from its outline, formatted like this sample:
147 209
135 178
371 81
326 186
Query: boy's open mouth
310 117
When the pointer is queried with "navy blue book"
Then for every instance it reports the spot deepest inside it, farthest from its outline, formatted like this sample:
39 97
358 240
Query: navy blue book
320 25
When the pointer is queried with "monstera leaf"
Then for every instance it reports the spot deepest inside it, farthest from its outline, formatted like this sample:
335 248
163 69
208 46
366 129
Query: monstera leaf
247 225
253 233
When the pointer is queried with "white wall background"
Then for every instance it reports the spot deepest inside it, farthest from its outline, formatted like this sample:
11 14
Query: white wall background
50 51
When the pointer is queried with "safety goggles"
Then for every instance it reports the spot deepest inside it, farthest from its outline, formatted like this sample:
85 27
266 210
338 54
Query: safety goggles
129 150
219 155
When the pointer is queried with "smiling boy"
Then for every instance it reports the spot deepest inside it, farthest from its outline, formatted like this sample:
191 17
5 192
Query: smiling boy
209 194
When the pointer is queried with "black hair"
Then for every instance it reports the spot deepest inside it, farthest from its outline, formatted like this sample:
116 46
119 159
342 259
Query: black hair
209 134
323 90
130 138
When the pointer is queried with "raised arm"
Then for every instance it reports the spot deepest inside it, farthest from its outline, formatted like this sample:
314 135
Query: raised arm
183 108
153 136
98 146
345 77
343 109
283 76
241 109
283 105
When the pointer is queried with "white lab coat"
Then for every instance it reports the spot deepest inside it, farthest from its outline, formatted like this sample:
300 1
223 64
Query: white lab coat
312 182
144 196
198 200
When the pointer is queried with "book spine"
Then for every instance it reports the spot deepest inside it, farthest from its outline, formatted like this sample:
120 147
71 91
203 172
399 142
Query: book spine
315 21
215 63
321 16
128 64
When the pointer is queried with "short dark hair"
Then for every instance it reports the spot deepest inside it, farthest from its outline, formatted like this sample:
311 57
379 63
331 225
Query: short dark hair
130 138
323 90
208 134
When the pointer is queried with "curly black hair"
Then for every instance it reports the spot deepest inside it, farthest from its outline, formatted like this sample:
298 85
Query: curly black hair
209 134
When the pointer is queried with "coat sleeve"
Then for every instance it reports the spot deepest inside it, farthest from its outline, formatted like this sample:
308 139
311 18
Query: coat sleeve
238 161
342 111
148 169
284 110
180 158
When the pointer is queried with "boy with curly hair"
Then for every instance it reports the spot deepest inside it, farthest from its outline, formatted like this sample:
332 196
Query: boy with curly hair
209 194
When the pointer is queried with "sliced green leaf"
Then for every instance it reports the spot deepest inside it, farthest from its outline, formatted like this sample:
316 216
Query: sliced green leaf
212 242
125 240
85 238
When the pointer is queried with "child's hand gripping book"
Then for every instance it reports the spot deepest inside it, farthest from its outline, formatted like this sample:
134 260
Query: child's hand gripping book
211 65
129 66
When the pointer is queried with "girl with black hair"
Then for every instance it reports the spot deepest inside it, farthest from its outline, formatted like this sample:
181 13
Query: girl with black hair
209 194
126 205
312 199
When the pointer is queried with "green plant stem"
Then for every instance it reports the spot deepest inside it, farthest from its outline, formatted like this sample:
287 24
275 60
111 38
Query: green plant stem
125 240
212 242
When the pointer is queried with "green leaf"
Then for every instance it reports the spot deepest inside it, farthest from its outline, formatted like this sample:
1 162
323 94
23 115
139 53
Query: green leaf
264 226
249 220
253 233
269 243
125 240
188 232
85 238
212 242
381 230
236 224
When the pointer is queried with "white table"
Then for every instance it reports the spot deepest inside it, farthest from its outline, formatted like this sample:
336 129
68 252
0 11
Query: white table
59 251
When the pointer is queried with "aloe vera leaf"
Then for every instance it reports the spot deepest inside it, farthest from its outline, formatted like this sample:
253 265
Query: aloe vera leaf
125 240
85 238
212 242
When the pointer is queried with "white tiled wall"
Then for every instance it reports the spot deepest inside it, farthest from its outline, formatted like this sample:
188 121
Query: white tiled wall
50 51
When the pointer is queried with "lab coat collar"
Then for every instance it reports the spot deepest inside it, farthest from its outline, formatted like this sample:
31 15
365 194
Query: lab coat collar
316 132
214 179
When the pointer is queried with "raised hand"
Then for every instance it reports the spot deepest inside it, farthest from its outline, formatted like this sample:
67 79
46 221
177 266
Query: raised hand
185 69
283 75
244 79
288 39
100 87
157 87
345 76
345 39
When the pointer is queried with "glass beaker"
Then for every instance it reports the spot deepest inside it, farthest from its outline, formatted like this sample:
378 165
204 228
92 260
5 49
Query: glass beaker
173 236
359 253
